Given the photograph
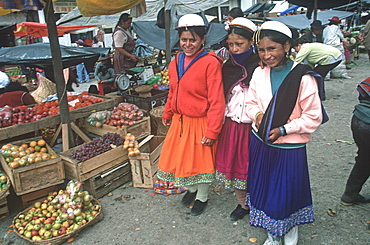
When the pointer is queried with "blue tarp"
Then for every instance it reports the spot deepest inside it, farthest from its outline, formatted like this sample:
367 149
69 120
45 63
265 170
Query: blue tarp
300 21
293 8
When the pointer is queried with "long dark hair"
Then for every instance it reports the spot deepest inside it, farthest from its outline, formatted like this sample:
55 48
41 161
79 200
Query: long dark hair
241 32
124 17
236 12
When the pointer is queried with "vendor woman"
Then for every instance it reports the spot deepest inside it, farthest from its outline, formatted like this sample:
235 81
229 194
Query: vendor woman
104 72
124 45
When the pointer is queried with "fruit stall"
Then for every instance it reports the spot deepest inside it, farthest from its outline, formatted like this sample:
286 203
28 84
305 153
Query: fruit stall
59 188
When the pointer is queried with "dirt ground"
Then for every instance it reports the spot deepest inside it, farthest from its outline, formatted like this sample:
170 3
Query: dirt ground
136 216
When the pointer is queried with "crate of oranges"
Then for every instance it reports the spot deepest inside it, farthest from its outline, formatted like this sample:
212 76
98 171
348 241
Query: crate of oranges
31 165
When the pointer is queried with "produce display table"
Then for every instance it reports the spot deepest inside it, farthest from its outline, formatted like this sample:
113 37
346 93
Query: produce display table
20 129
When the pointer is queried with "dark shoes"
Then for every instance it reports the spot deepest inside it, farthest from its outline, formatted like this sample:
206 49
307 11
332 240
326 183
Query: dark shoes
357 199
198 207
188 198
238 213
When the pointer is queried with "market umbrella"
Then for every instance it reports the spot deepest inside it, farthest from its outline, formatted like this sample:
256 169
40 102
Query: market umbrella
40 29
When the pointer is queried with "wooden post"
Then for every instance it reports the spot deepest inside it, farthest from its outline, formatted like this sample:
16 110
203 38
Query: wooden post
58 74
167 21
315 10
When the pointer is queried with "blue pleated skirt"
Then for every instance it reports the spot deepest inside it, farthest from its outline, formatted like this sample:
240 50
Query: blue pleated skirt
279 195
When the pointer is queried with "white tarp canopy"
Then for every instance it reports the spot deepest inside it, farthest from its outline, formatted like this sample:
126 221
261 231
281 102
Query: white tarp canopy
177 7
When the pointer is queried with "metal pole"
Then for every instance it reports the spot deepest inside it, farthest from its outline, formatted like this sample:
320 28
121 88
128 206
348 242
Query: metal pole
167 21
58 71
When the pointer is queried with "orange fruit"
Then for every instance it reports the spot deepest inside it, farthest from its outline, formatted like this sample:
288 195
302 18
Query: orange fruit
32 149
43 150
37 148
24 145
33 143
41 143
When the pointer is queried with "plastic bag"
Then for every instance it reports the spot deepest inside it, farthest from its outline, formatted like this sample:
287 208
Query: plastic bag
97 119
125 114
153 80
6 115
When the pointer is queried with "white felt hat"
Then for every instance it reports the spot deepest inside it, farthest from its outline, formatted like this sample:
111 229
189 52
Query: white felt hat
277 26
243 23
189 20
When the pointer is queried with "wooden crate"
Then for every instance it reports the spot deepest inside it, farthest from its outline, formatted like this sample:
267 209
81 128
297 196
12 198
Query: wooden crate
37 175
4 210
118 98
140 129
81 171
109 180
37 196
19 129
144 166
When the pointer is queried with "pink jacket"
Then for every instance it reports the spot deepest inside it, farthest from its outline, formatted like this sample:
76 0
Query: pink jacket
236 107
306 116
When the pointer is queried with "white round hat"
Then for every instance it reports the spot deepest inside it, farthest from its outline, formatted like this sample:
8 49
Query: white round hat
276 26
243 23
190 20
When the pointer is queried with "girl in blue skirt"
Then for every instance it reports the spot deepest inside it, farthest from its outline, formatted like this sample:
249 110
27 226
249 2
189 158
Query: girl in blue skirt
284 102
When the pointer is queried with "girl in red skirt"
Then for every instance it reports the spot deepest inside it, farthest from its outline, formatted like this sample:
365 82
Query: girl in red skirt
232 157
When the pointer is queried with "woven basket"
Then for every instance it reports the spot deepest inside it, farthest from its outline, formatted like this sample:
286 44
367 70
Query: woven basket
156 115
5 192
60 239
45 89
144 91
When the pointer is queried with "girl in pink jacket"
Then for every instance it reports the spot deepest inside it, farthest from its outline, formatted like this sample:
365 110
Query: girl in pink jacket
284 102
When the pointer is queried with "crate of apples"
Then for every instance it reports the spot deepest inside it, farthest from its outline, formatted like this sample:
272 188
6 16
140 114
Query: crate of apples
25 154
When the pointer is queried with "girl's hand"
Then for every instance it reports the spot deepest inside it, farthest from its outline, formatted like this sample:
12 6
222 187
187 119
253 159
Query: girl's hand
274 134
259 120
166 122
207 141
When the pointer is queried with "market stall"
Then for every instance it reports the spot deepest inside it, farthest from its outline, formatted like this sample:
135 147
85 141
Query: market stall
113 132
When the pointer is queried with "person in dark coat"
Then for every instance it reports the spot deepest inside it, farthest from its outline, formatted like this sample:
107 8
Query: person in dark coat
315 35
360 127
